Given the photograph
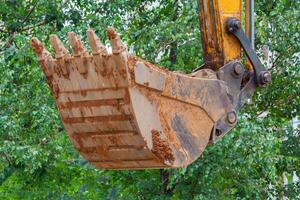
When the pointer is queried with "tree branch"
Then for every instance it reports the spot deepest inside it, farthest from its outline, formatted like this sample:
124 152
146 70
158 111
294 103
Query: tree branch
26 28
30 12
7 159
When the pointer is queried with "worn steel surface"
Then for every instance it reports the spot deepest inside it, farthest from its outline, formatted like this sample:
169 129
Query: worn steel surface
262 76
124 113
219 46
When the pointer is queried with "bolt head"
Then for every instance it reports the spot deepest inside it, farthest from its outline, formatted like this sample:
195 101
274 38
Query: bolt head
232 117
233 24
238 69
265 78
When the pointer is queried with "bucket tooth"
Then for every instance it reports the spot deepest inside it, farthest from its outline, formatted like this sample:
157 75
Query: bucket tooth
61 54
45 59
58 46
115 41
99 51
39 48
119 54
95 43
80 53
77 45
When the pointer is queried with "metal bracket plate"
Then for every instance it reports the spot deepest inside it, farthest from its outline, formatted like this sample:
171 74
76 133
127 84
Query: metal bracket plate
262 76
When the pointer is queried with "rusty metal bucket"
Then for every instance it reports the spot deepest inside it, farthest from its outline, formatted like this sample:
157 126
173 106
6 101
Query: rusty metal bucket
124 113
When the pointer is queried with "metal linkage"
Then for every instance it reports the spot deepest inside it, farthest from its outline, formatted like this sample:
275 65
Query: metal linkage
262 76
233 73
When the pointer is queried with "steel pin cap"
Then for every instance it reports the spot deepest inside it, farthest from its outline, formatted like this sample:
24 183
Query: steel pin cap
265 78
233 24
232 117
238 69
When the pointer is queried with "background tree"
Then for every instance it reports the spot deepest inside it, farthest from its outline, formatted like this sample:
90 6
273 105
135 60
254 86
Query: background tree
37 160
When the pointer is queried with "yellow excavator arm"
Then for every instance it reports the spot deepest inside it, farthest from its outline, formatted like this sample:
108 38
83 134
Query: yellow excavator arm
220 47
122 112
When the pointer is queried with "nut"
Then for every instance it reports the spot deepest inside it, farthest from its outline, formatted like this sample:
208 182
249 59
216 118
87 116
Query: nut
233 24
232 117
238 69
265 78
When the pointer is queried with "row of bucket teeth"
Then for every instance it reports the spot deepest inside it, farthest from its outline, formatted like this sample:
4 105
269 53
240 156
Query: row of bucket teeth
80 53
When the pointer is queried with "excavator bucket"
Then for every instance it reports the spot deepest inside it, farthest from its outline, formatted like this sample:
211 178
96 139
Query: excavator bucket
122 112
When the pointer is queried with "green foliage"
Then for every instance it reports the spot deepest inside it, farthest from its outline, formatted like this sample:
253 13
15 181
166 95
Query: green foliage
37 160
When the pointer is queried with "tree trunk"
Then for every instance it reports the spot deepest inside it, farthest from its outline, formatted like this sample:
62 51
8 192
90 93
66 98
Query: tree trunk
164 177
